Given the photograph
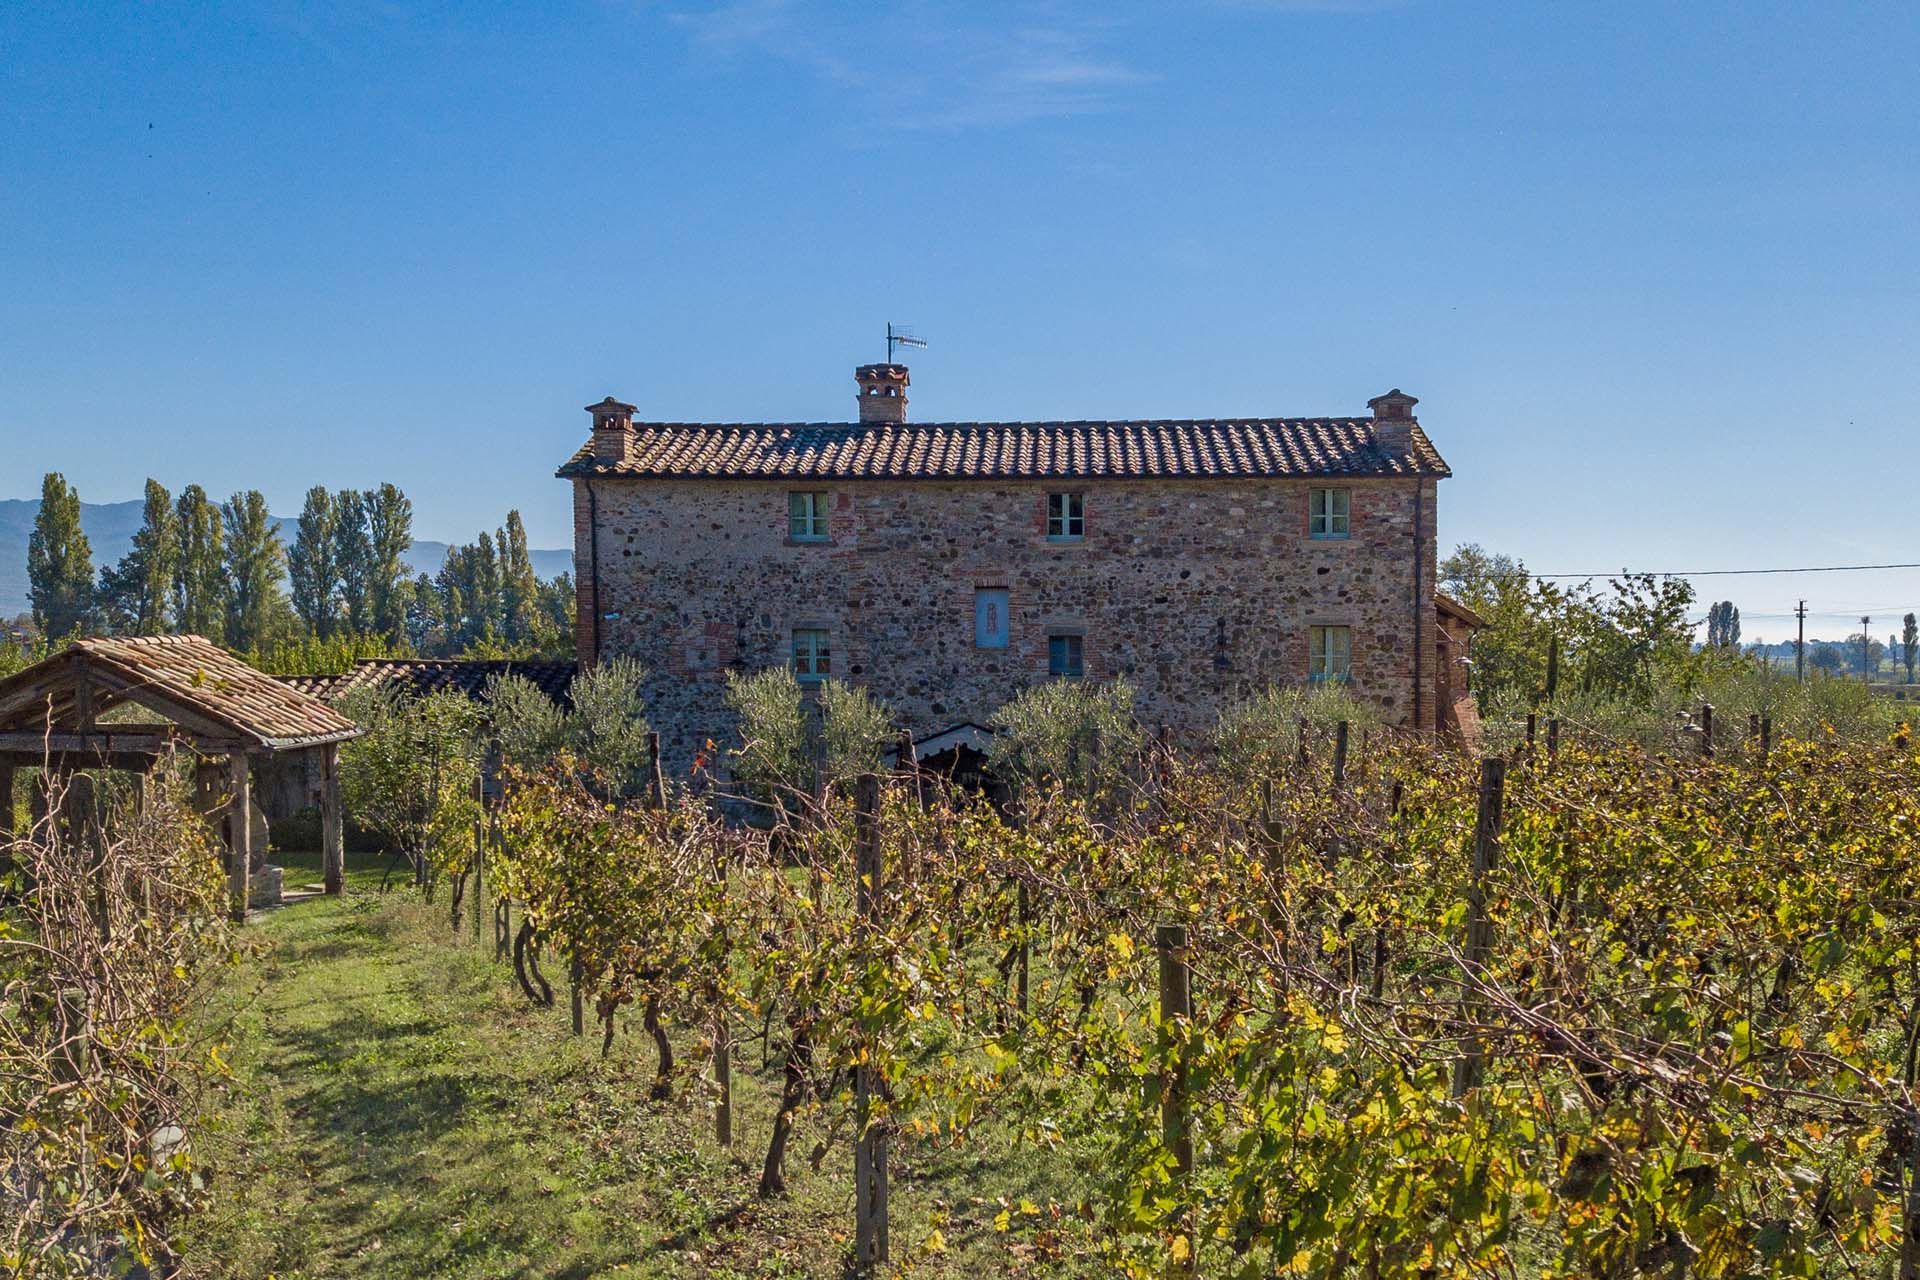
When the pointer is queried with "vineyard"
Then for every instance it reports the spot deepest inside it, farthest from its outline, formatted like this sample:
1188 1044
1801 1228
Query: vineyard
1576 1010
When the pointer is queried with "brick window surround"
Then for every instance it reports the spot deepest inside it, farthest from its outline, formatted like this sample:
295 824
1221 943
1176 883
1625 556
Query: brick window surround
812 655
1066 517
1066 656
1329 513
807 515
1329 654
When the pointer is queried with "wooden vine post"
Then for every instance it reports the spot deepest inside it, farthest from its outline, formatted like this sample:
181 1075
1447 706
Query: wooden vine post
479 873
722 1029
656 777
1340 732
1553 737
1176 1016
1766 737
870 1141
1470 1068
1706 731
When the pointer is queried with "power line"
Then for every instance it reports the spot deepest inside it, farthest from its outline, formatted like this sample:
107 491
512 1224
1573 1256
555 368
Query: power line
1715 573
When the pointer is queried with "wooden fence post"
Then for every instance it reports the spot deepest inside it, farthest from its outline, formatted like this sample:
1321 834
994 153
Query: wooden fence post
1340 732
870 1141
1470 1068
1176 1014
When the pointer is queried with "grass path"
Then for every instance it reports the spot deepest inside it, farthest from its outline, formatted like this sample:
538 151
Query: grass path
397 1109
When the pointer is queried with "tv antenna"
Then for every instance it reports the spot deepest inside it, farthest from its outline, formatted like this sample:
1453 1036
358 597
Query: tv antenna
901 338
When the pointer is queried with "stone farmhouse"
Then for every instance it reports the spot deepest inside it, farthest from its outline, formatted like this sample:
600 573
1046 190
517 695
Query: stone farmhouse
947 565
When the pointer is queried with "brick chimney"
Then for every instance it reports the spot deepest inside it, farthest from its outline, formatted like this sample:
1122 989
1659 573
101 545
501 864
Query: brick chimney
883 392
612 430
1393 420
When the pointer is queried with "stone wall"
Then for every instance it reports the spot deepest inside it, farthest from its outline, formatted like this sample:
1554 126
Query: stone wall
1195 591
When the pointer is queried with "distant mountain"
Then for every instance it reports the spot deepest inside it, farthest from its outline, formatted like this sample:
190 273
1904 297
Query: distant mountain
110 527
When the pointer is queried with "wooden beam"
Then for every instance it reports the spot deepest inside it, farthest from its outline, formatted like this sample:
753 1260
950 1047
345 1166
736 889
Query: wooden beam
142 740
239 833
333 846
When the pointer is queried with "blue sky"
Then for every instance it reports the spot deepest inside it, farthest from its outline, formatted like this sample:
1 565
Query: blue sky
1651 267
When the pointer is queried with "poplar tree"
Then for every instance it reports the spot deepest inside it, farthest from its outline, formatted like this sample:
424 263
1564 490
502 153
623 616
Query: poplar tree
136 594
59 562
256 563
311 564
519 588
200 573
353 560
389 517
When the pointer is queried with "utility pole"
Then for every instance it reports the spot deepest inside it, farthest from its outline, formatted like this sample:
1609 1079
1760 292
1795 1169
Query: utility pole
1866 651
1800 645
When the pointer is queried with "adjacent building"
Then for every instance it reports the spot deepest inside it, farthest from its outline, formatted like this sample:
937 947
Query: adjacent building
947 565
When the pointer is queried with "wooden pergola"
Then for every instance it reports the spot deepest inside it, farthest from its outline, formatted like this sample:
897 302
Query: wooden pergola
124 703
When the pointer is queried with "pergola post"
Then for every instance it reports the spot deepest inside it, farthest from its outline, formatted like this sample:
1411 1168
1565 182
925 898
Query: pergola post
239 833
6 816
333 836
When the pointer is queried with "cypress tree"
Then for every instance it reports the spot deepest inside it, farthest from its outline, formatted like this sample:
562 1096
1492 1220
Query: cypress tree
59 562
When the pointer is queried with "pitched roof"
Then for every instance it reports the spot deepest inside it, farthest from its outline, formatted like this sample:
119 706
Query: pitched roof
1220 448
416 677
187 677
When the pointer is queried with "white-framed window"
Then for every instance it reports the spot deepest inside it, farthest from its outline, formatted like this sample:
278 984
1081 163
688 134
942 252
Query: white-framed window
1066 516
807 515
1329 513
812 657
1066 656
1329 655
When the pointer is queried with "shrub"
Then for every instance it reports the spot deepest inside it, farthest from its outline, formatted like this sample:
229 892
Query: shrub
1257 736
1072 734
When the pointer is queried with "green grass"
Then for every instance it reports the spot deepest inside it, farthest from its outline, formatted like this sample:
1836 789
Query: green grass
397 1109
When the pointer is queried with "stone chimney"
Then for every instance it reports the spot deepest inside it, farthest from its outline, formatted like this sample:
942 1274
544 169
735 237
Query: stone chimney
612 430
1393 420
883 392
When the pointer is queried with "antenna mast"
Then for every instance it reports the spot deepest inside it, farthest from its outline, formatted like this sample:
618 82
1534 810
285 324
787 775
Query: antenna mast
900 338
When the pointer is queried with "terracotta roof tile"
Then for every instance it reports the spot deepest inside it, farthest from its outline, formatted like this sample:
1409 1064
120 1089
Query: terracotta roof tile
1238 448
416 677
194 677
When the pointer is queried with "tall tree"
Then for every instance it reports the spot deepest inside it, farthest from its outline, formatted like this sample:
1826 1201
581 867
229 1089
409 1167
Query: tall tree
1909 643
353 560
1723 625
426 623
389 515
200 570
59 562
519 587
311 564
256 563
136 594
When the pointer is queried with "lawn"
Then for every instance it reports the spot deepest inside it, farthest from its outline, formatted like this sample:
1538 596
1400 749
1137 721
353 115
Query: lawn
396 1108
